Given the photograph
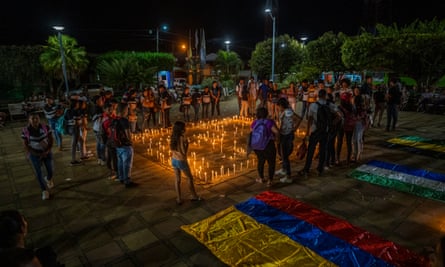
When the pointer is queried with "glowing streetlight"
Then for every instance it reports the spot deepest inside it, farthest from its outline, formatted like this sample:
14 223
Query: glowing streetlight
303 39
62 55
269 11
227 45
163 28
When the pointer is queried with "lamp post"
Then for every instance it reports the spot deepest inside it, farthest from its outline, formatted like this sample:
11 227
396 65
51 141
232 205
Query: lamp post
303 40
62 54
164 28
269 11
227 45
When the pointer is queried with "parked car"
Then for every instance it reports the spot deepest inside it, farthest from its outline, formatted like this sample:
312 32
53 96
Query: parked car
91 89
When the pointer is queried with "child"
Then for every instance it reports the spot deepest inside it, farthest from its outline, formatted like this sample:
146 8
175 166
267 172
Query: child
179 146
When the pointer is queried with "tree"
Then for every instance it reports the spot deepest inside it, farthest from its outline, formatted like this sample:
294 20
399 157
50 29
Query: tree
325 52
228 63
75 58
20 71
120 69
288 53
417 51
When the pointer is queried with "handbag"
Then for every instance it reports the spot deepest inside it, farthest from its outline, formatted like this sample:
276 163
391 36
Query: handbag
301 151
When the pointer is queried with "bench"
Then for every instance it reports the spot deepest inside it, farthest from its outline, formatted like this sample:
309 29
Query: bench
15 110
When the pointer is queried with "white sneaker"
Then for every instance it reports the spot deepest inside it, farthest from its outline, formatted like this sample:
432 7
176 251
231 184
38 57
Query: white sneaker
45 195
49 183
280 172
286 180
102 162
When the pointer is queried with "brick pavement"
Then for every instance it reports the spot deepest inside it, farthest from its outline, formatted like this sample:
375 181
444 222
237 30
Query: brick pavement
92 221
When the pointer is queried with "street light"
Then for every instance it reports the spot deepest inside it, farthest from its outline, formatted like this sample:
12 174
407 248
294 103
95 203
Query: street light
269 11
227 45
303 39
163 28
62 54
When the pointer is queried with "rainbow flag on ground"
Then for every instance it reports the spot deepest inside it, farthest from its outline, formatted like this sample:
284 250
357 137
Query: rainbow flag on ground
415 181
271 229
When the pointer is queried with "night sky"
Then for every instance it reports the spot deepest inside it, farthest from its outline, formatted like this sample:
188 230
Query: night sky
101 26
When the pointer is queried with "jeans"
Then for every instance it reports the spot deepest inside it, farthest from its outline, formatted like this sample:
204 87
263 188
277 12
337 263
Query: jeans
215 105
100 147
58 136
341 133
36 162
286 146
304 108
124 163
269 154
315 138
392 115
196 110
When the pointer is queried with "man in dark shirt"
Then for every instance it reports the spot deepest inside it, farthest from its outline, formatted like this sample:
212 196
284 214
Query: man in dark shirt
393 97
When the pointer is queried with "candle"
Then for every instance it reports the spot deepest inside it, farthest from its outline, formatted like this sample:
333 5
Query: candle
234 168
205 177
241 168
222 170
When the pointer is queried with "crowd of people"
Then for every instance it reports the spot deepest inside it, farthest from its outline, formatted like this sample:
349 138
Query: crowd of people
351 111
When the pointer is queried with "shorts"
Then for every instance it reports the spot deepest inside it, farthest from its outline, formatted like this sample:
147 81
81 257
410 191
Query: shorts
180 164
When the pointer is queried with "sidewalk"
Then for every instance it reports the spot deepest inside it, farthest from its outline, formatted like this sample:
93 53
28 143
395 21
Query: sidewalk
92 221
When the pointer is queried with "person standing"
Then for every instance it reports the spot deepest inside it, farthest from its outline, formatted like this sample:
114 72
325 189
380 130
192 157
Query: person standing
316 136
186 103
239 93
215 93
179 147
124 149
263 93
206 99
196 103
289 123
165 102
269 154
379 105
393 98
253 95
52 113
244 112
38 141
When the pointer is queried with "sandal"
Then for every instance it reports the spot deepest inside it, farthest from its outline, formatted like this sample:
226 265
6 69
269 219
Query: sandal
269 183
259 180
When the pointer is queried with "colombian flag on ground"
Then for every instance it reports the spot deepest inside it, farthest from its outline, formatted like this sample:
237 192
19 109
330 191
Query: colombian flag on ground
274 230
415 181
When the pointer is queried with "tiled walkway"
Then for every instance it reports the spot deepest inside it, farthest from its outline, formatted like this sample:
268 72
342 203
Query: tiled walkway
92 221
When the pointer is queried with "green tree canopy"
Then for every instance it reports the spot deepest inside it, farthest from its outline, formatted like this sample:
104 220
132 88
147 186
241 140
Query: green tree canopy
120 69
75 58
324 53
288 53
228 63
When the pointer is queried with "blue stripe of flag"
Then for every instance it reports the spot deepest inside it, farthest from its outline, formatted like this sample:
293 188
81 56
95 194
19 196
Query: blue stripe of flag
403 169
324 244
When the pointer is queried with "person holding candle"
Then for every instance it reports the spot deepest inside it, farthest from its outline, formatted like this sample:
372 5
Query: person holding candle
179 146
269 153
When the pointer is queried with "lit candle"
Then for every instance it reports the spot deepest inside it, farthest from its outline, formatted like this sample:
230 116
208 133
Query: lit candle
205 177
247 164
234 168
222 170
241 168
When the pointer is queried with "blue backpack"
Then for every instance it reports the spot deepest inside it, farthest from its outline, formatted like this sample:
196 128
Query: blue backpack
260 135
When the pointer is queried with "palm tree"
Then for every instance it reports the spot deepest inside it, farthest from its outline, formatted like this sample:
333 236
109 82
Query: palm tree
121 72
229 63
75 57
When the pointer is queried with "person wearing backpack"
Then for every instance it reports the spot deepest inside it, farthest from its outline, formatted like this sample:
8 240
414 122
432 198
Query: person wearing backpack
289 123
121 135
263 133
317 131
38 141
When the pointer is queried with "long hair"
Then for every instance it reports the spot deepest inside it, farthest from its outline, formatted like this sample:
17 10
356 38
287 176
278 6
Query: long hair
11 227
178 130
